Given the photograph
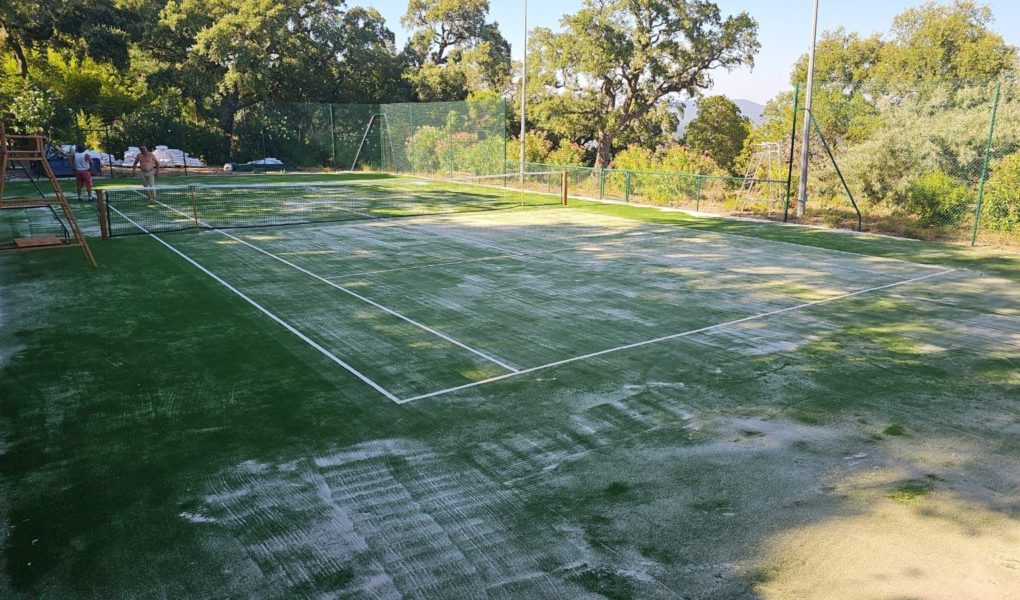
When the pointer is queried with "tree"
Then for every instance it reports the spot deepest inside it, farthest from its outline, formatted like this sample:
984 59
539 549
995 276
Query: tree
453 50
240 53
616 61
719 129
86 28
938 42
845 79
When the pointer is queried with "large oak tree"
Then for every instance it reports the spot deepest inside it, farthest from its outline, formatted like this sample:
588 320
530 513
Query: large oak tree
618 61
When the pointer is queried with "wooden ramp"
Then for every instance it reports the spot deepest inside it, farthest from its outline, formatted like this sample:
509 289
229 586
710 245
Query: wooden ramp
25 150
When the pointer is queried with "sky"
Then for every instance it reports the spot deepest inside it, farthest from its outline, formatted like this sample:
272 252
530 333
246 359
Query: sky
784 31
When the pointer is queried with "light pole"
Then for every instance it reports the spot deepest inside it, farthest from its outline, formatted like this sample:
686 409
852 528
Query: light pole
806 140
524 84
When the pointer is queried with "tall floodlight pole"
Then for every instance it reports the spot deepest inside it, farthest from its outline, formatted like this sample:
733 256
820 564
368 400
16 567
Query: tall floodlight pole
806 140
524 84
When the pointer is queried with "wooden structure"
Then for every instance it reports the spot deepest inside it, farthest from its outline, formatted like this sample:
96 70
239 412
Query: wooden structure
24 150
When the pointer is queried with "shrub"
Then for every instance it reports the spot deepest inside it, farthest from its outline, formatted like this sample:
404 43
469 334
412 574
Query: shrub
536 150
1002 196
422 149
936 199
567 154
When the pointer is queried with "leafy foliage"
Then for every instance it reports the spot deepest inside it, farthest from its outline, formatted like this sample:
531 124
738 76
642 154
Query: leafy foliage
32 110
719 130
453 50
938 200
618 61
1002 196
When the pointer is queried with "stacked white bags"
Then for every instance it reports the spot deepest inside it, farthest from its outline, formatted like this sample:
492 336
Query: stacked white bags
167 157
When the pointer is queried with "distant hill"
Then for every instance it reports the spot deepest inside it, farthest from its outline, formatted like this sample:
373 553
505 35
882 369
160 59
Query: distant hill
750 109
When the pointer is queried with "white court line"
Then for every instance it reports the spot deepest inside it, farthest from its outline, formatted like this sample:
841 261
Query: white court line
671 337
354 294
269 314
422 266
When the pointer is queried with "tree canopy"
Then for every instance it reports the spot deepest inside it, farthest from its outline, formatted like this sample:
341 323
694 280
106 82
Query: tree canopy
453 49
719 130
616 61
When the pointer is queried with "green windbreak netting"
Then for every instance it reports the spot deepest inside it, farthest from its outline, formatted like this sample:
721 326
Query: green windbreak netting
447 138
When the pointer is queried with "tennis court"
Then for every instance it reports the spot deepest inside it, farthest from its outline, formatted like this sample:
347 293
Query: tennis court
419 388
486 290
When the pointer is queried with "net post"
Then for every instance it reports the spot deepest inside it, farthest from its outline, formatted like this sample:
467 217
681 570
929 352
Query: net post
104 226
564 185
194 207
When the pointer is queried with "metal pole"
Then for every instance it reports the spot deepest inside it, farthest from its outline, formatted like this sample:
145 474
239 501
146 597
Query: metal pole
524 86
793 146
805 150
332 135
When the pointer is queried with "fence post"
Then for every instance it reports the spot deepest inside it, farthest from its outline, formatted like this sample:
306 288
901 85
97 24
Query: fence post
564 185
697 192
984 167
626 187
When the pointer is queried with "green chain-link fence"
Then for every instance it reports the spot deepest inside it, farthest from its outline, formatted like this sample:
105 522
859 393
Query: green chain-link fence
431 138
918 160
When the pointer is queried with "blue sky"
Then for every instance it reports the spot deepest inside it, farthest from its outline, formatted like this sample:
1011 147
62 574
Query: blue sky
784 30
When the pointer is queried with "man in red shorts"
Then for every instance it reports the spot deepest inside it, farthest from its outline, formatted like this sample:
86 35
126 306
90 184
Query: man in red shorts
82 160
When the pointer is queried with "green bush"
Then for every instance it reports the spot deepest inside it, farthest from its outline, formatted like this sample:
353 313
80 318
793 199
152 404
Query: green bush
536 150
568 153
421 149
480 157
1002 196
670 177
937 199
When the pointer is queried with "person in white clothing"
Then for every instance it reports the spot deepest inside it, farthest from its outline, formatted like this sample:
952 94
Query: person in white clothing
82 159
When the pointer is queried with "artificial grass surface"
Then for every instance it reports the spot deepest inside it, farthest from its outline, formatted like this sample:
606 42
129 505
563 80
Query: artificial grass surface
163 437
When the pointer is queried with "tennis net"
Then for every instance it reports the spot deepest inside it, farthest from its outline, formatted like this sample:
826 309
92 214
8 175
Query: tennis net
138 210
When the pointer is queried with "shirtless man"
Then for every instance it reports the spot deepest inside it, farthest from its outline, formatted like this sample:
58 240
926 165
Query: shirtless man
150 169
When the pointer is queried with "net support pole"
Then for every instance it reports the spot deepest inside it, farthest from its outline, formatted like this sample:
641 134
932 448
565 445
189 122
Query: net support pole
332 135
984 166
194 208
793 146
104 226
805 151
